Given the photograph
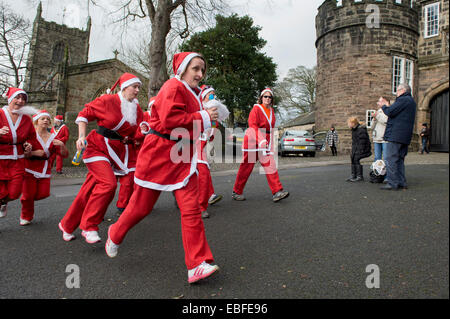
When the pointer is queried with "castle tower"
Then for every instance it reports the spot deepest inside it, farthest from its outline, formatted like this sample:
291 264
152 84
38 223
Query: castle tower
365 49
47 50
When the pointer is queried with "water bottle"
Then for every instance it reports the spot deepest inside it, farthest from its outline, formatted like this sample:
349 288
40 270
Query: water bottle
78 156
213 123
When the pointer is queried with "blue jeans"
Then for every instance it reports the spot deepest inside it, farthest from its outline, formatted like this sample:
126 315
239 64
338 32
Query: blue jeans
395 163
379 150
425 145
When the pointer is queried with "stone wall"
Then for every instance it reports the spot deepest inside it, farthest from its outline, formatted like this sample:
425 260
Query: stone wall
354 62
433 66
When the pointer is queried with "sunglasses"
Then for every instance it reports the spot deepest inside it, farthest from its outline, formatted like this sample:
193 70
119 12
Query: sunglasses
267 97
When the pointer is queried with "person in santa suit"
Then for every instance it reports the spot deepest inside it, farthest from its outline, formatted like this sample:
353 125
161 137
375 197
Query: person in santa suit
258 146
207 195
168 162
16 134
62 134
36 185
108 150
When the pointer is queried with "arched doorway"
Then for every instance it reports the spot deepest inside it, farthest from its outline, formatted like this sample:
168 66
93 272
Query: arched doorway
439 122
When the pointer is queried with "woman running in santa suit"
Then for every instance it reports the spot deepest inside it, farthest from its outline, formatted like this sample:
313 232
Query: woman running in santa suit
168 162
109 149
16 128
258 146
38 168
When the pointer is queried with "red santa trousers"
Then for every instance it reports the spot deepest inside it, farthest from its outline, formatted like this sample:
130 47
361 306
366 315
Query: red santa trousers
33 189
125 190
59 163
246 168
205 186
90 205
196 248
11 185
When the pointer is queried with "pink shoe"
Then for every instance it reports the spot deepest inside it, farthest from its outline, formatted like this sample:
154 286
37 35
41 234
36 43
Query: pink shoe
91 236
201 271
66 236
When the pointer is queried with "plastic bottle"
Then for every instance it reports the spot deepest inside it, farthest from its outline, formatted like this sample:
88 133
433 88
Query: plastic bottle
78 156
213 123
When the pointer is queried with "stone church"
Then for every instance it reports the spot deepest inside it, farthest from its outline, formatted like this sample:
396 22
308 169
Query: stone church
59 77
366 48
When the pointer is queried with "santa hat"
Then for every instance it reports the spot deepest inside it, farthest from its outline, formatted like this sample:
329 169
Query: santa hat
124 81
181 60
150 103
205 90
12 92
58 117
266 90
40 114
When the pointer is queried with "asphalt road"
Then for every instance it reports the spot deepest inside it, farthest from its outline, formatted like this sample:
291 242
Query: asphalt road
315 244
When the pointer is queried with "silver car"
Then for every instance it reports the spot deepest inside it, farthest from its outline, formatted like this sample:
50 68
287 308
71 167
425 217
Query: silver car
297 142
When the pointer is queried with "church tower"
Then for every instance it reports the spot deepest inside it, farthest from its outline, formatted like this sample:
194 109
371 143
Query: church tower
51 44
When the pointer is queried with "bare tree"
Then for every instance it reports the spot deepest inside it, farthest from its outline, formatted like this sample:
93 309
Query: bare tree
298 89
165 17
15 38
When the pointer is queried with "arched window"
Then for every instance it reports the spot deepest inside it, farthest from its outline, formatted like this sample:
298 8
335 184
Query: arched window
58 52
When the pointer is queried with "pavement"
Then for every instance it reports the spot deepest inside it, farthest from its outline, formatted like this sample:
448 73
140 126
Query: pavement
75 175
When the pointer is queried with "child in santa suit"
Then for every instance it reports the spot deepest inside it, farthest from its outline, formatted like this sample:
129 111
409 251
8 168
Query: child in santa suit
206 191
168 162
109 149
258 145
62 133
16 134
36 184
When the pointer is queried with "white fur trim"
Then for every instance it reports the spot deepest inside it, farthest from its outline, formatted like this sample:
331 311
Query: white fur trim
266 90
206 120
39 115
206 92
95 159
15 94
81 119
185 62
129 82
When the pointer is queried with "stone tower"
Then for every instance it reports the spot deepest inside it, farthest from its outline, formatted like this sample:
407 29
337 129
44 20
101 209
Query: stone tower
52 47
364 49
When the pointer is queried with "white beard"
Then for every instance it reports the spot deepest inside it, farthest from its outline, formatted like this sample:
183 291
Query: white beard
129 111
26 110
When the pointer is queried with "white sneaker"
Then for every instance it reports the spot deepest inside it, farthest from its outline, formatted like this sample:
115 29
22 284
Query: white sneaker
91 236
201 271
3 210
66 236
24 222
111 248
214 199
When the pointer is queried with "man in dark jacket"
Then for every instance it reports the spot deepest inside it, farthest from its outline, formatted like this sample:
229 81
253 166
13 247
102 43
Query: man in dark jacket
401 117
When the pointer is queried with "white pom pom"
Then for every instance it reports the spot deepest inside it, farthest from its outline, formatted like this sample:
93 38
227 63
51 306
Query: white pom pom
4 95
108 91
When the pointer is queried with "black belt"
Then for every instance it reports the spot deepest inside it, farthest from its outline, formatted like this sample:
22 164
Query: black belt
168 137
112 135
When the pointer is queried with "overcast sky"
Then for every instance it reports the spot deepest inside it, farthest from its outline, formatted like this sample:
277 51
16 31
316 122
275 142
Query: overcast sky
288 26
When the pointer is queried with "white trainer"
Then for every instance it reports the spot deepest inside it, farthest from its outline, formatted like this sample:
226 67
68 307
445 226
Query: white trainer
24 222
66 235
91 236
3 211
201 271
111 248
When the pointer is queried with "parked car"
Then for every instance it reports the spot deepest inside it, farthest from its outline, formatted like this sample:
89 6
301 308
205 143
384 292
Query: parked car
297 142
320 141
236 138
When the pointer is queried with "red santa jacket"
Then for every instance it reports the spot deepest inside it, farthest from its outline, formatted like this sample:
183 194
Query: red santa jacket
166 164
259 135
40 167
62 133
106 110
11 144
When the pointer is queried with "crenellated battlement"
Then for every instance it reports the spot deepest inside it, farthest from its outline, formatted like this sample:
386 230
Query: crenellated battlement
332 16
